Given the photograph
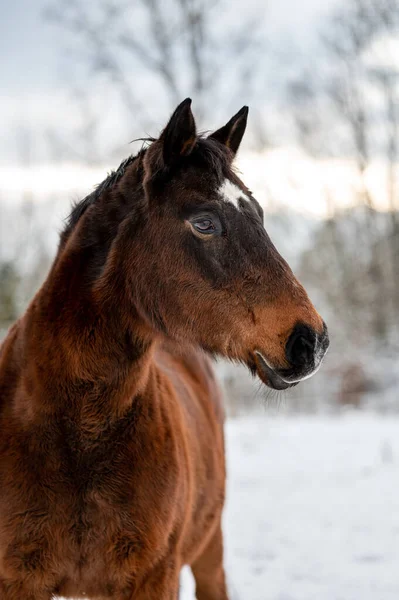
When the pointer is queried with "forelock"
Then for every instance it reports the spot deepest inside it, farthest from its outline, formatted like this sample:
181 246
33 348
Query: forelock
213 156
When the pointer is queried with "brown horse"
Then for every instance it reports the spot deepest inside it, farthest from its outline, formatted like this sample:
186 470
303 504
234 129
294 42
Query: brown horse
111 424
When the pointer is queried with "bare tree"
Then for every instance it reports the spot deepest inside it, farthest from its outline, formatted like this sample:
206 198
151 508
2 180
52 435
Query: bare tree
347 106
149 54
24 256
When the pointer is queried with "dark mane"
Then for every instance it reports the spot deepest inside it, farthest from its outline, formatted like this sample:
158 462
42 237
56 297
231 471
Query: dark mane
112 178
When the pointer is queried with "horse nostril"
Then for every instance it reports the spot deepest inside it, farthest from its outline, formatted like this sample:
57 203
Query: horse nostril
300 348
302 351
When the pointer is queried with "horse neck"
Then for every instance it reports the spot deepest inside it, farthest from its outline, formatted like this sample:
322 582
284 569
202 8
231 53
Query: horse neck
85 342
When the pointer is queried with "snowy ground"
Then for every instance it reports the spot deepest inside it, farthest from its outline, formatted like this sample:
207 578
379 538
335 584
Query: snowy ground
313 509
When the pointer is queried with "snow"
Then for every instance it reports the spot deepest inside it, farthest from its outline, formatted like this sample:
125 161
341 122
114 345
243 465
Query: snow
313 508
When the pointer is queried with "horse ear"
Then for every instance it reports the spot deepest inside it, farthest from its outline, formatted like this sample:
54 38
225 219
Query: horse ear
232 133
179 136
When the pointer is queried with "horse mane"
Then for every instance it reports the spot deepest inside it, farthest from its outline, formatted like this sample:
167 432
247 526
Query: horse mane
80 207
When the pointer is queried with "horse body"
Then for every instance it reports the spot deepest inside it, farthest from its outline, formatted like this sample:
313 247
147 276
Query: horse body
112 468
98 508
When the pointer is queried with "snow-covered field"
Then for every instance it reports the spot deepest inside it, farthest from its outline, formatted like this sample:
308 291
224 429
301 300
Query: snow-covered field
313 509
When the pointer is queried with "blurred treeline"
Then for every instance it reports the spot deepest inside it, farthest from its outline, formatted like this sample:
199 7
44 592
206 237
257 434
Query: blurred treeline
338 102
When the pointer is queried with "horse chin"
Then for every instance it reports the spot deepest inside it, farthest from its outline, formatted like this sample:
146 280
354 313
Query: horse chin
268 375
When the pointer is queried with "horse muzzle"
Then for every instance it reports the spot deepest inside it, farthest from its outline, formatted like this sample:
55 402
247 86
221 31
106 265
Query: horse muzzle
304 353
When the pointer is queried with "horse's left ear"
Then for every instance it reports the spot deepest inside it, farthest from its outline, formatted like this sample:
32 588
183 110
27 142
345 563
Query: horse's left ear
179 136
232 133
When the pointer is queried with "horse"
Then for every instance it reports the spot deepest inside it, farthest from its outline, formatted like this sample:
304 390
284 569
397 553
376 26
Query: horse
112 469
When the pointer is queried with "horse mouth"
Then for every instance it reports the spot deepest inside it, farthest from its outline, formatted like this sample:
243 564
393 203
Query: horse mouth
268 375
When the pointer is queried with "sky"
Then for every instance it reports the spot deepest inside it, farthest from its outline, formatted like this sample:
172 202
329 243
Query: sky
35 71
35 76
32 46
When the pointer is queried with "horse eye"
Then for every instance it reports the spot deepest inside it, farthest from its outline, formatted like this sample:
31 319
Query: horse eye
204 226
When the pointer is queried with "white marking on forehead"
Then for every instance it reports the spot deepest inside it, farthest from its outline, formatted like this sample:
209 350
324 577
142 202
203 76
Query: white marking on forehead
232 193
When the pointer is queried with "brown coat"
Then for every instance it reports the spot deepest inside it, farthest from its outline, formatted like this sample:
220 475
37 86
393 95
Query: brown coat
112 466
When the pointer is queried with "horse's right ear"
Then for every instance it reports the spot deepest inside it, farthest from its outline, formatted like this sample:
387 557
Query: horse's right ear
179 136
